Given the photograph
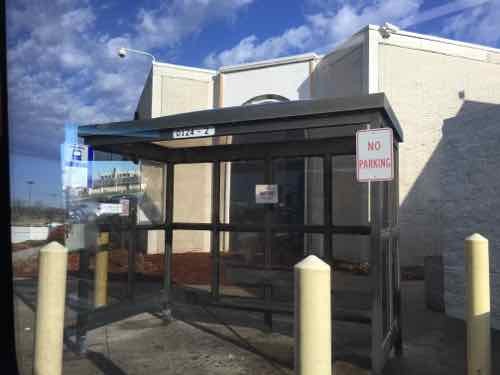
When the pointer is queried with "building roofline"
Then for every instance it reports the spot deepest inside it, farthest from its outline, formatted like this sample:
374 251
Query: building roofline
346 42
270 62
411 34
435 39
184 67
312 55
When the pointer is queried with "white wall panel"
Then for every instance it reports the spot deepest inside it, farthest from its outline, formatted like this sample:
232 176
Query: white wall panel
288 80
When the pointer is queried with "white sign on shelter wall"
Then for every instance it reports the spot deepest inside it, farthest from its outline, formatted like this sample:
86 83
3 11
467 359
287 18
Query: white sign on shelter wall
374 155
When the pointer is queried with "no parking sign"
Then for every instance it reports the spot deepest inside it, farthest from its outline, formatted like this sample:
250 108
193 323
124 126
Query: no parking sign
374 155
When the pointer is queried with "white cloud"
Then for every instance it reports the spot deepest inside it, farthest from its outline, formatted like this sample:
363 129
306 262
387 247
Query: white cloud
249 48
169 23
335 20
79 19
327 27
481 25
110 81
62 68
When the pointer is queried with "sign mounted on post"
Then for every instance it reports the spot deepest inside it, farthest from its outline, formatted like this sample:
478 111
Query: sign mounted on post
374 155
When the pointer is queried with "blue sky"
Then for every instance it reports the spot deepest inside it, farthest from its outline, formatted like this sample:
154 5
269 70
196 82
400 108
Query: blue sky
63 65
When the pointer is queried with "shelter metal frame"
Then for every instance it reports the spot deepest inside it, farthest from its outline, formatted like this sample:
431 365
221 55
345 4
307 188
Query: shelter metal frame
134 139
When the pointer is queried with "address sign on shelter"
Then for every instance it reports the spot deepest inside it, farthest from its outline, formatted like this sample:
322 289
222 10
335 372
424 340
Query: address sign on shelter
374 155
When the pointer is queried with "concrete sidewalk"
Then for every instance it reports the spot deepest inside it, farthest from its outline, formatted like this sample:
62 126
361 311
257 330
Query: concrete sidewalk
216 341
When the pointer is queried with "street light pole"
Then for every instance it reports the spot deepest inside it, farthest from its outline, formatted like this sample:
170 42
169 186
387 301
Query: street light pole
30 186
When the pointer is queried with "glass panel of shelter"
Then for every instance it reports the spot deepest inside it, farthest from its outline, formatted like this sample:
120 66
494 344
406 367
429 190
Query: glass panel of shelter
242 251
111 257
192 261
298 206
273 253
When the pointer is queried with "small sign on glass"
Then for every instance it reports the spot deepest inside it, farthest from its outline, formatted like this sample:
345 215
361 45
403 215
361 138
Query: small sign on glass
266 194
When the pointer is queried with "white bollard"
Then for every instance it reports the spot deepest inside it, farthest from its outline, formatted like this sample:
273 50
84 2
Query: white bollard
53 263
313 338
478 305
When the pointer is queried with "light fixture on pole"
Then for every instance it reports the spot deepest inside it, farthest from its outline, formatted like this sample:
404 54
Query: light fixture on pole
122 52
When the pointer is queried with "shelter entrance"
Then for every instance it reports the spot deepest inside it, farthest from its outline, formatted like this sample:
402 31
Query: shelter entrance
247 192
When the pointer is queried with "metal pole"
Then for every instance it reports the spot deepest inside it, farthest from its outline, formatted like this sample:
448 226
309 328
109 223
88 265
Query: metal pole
53 263
478 305
313 332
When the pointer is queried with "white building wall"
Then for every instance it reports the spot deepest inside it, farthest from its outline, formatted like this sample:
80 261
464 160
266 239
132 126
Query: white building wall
423 79
145 101
338 74
178 89
470 185
341 73
172 89
446 95
289 78
428 81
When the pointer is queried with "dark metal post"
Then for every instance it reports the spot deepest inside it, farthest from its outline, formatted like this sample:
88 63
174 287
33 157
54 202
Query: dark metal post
215 238
398 344
167 265
328 208
83 301
268 177
376 276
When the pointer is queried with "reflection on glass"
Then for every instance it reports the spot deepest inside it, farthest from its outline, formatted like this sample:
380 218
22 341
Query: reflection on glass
149 261
244 248
191 259
193 193
151 202
351 253
300 190
237 202
349 197
290 248
98 274
241 255
118 191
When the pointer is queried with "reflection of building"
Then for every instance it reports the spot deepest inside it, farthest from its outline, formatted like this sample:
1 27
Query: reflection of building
116 182
427 79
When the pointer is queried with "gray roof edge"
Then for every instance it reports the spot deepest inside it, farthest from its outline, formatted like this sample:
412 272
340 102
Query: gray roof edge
258 112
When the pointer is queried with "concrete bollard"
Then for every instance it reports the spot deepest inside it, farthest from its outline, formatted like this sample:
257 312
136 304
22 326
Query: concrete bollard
478 305
101 271
313 341
53 264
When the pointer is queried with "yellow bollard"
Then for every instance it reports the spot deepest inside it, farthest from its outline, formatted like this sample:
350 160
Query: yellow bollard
101 271
478 305
313 334
49 329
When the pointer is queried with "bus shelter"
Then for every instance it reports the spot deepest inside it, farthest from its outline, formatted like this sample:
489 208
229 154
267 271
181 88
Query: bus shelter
231 198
